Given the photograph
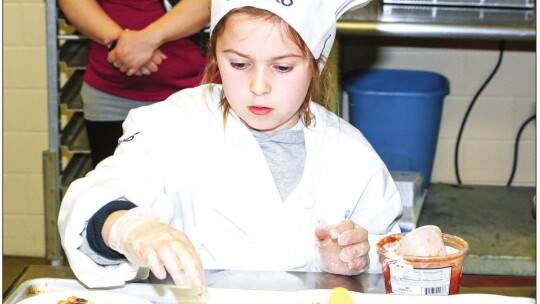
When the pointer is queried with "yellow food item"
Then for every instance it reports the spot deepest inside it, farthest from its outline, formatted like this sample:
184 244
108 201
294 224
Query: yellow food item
340 295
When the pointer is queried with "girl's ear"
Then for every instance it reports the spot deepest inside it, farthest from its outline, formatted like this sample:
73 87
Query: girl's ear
321 62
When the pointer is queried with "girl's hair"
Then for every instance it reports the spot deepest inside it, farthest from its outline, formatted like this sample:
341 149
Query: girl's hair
319 89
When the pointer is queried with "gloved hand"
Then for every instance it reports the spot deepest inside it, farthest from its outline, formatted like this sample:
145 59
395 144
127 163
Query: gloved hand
148 242
343 248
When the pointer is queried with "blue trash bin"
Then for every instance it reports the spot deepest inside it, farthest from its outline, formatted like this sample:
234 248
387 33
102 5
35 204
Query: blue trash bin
399 112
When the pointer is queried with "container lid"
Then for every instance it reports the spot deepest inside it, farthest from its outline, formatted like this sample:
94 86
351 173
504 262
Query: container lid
398 82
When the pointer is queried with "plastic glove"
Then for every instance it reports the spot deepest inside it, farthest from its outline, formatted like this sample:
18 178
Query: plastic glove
148 242
344 248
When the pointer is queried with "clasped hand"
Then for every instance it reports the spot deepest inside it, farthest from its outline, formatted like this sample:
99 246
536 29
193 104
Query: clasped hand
134 53
343 248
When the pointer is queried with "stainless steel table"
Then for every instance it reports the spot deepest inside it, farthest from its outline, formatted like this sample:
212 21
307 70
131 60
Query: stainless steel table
288 281
265 280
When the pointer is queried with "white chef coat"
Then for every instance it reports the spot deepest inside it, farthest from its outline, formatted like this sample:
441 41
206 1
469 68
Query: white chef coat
178 160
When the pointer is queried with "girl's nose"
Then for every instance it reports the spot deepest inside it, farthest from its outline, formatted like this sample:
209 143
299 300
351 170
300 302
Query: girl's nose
259 84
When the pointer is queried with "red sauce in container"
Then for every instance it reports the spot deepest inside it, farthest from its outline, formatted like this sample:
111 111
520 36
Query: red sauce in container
406 272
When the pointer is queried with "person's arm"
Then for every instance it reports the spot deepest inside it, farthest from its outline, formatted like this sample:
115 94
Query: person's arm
136 49
183 20
88 17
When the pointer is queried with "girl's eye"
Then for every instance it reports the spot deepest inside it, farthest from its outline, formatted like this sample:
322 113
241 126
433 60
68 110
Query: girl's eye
284 68
239 65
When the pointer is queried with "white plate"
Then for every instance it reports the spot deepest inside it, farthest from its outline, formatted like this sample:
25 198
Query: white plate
97 296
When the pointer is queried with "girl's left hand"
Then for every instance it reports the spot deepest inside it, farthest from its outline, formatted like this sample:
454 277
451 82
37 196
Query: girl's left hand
343 248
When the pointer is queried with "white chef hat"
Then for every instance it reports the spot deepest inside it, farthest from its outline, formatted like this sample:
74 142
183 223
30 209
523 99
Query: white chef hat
314 20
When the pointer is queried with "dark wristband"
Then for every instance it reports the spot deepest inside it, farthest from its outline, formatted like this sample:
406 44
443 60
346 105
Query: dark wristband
95 225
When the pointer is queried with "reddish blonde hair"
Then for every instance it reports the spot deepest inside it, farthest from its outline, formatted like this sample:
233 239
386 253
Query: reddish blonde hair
319 79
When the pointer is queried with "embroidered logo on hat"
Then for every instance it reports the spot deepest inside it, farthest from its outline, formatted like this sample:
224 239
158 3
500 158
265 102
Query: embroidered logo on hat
285 2
314 20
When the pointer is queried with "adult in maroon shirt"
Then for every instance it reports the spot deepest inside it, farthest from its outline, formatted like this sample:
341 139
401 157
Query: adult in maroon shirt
139 54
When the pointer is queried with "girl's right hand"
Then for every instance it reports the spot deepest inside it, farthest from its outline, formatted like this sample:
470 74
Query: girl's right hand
148 242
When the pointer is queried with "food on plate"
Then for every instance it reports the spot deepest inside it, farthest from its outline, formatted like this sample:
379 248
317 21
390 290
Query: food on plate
75 300
48 294
423 241
31 291
340 295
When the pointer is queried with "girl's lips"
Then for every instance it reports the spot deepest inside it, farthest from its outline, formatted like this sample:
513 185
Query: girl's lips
259 110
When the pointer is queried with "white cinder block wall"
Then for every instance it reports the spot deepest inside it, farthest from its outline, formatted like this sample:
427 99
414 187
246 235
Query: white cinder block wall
24 126
486 154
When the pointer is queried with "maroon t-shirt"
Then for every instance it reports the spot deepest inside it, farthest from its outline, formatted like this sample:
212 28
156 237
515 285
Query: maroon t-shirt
182 69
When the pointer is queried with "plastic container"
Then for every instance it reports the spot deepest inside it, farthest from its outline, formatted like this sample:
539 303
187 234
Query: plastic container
420 275
399 112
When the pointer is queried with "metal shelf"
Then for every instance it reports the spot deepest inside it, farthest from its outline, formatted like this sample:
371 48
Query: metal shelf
70 96
74 54
74 137
478 23
67 55
78 167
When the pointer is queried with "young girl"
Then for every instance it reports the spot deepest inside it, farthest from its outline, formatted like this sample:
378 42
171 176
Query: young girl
241 173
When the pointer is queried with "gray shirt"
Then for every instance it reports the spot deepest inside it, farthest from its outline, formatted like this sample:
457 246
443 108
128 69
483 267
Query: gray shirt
285 153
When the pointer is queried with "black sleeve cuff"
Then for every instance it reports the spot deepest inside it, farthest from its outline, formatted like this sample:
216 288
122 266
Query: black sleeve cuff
95 225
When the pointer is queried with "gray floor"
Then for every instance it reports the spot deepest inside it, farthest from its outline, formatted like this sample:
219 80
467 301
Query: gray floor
497 222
